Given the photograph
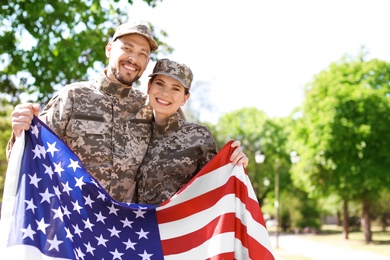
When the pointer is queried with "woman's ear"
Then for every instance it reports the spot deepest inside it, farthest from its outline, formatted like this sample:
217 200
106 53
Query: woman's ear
186 97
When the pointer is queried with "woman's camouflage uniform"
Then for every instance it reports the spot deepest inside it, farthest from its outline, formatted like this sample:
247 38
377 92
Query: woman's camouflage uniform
107 125
177 151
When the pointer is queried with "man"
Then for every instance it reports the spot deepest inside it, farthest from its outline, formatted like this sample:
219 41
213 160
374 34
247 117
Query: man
105 121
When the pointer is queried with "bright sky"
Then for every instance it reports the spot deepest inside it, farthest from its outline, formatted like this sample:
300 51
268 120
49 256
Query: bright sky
262 53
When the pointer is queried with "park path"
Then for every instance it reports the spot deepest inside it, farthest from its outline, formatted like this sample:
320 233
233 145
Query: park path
298 246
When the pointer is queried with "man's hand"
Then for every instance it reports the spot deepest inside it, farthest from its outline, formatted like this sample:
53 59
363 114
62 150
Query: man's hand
22 116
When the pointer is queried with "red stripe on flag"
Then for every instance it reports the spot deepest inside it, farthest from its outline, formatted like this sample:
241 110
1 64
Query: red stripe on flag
257 251
229 255
222 224
199 203
251 205
225 223
221 159
209 199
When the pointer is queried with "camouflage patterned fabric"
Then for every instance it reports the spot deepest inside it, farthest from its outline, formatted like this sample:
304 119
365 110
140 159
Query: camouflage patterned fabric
177 151
175 70
137 28
107 125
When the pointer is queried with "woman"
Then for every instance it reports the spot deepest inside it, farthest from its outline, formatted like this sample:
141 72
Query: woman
178 149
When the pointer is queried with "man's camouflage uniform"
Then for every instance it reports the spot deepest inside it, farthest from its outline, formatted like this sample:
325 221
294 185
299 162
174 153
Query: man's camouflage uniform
107 125
176 153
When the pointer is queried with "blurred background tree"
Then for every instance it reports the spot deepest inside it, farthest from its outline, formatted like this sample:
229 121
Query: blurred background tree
269 136
5 130
342 135
46 45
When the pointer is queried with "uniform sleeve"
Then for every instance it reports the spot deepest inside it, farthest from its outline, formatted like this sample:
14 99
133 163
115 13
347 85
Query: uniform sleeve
10 144
57 112
208 148
56 115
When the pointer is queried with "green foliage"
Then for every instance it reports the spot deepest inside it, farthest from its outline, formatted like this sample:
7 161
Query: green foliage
248 126
298 211
342 135
5 130
381 209
49 44
257 132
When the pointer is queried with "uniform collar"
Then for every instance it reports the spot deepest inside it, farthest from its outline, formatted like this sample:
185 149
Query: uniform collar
112 88
172 124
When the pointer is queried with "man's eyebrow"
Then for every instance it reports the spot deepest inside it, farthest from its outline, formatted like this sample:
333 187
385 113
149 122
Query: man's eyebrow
130 44
126 43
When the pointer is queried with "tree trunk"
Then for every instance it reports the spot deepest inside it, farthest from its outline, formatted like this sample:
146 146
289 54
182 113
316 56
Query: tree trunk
345 219
384 221
339 223
262 198
366 221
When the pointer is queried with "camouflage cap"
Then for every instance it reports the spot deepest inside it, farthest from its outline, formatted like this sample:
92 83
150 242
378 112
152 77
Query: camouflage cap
175 70
137 28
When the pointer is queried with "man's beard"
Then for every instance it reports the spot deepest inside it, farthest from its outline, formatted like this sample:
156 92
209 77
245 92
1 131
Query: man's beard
122 79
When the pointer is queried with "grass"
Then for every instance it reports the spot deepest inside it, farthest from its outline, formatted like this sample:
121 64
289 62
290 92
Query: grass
379 245
333 235
286 255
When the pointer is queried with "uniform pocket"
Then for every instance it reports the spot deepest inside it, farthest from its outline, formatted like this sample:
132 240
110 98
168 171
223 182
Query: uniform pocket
89 125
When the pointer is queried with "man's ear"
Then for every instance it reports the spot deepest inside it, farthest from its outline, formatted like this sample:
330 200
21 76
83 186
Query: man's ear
108 49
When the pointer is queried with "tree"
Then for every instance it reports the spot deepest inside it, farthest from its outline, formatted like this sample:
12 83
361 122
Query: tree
49 44
343 134
258 133
381 210
247 126
5 129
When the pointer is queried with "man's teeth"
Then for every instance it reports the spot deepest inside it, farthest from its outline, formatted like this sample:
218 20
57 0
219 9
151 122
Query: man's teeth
128 67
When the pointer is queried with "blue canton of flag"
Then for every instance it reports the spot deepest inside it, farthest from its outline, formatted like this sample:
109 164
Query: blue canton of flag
67 214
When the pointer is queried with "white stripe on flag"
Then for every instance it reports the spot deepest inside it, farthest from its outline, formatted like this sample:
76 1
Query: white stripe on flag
27 252
210 181
240 252
197 221
10 188
238 171
228 204
218 244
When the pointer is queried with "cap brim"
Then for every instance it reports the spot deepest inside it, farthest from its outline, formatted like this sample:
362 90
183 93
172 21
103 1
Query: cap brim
152 42
171 76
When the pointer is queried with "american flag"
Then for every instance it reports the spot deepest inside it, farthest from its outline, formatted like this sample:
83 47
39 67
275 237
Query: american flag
54 209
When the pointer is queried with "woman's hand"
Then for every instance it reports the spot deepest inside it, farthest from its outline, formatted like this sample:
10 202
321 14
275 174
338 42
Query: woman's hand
238 157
